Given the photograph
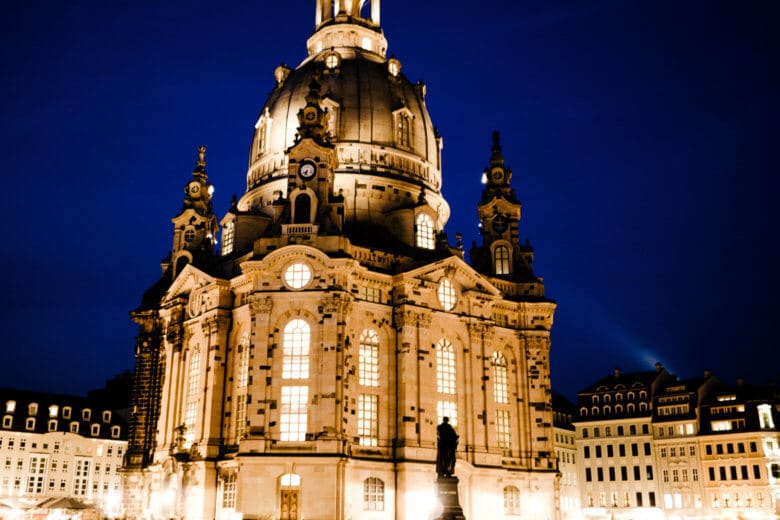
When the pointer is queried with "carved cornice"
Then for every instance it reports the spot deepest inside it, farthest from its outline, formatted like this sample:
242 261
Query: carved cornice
336 304
480 331
424 320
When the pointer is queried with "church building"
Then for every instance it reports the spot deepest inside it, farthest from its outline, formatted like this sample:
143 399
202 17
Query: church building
300 370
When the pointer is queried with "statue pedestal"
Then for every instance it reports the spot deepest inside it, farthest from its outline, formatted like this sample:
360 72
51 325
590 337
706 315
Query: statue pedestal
447 492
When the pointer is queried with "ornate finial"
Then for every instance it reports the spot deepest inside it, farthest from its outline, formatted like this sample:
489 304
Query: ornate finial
312 122
497 159
201 156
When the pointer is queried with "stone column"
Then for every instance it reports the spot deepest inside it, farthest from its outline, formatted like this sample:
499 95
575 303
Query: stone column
260 363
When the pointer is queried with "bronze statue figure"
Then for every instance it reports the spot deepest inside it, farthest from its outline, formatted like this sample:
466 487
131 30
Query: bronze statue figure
447 443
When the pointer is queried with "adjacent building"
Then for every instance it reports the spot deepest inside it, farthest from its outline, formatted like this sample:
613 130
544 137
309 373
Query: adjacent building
652 446
301 371
60 446
568 500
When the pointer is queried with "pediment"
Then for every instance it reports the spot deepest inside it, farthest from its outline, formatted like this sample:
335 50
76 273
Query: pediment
190 278
455 268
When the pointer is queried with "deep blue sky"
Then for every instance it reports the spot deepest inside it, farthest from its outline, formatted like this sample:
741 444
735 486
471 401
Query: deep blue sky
643 137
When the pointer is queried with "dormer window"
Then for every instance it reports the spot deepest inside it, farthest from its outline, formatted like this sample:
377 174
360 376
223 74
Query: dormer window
29 424
765 417
393 67
53 410
115 433
403 128
424 233
106 416
74 427
10 406
52 425
86 414
332 60
95 430
262 132
32 409
66 412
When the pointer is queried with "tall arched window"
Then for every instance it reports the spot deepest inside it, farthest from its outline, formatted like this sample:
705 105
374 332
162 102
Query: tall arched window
369 358
501 255
227 237
445 381
297 336
373 494
500 393
193 386
424 235
511 500
445 367
242 377
404 130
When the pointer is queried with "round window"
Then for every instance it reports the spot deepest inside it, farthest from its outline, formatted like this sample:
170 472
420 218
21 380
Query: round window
447 296
297 275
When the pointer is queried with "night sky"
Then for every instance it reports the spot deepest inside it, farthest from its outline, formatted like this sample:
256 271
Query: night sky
643 137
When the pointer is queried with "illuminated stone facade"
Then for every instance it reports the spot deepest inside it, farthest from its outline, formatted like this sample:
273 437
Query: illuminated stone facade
301 371
59 446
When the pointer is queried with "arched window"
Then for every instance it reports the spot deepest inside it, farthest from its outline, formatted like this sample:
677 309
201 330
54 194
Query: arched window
595 399
193 386
302 209
630 407
642 407
369 358
618 408
445 367
594 410
424 236
447 295
500 393
297 336
242 377
607 398
511 500
501 255
607 410
642 394
373 494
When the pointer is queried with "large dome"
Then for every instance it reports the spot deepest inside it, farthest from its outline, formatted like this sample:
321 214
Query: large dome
385 141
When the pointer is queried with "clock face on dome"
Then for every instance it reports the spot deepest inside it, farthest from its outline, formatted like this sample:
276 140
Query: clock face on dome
498 175
307 170
194 188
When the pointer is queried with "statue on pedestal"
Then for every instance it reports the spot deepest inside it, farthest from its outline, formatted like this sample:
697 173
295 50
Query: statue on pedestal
447 443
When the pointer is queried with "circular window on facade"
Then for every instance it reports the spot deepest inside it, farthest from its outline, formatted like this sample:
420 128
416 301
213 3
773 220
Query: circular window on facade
297 275
447 296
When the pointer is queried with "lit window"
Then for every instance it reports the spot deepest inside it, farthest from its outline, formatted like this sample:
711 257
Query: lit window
501 254
295 364
240 417
243 364
425 237
765 417
81 477
373 494
36 474
503 433
32 409
393 67
445 367
229 491
228 237
10 406
721 426
194 380
289 480
368 419
292 425
447 409
369 358
332 60
53 410
446 293
297 276
190 415
511 500
500 394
